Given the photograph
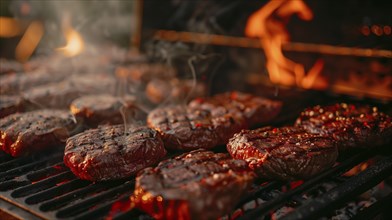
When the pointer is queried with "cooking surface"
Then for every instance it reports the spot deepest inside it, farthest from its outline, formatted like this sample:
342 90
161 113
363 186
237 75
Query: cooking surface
44 187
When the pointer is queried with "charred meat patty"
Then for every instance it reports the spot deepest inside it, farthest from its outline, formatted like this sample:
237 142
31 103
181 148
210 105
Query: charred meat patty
14 83
24 133
285 153
183 128
10 104
106 109
61 94
255 110
113 152
349 125
195 185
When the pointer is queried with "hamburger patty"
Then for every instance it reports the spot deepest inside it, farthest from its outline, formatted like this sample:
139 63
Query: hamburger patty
61 94
23 133
108 152
106 109
184 128
349 125
14 83
10 104
195 185
255 110
283 153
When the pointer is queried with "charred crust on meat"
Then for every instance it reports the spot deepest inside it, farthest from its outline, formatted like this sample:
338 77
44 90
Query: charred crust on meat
24 133
185 128
349 125
97 110
110 152
283 153
190 184
255 110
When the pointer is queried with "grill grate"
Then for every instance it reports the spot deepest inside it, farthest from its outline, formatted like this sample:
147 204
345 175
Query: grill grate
46 188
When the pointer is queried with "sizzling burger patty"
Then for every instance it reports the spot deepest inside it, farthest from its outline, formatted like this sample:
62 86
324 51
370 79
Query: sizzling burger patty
10 104
12 84
255 110
184 128
23 133
108 152
349 125
61 94
106 109
283 153
196 185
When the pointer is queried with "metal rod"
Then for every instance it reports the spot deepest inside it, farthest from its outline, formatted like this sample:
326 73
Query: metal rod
222 40
136 34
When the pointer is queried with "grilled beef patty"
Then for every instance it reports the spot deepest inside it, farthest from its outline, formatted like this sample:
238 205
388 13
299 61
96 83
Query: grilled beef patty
255 110
184 128
195 185
349 125
106 109
108 152
10 104
61 94
14 83
283 153
23 133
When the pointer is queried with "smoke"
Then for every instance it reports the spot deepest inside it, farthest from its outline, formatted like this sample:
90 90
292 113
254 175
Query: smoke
98 21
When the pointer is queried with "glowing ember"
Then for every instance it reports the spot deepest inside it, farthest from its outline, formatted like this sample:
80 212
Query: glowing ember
268 23
359 168
75 43
119 206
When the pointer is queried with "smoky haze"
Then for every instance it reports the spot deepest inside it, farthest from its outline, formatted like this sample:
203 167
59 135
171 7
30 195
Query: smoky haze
98 21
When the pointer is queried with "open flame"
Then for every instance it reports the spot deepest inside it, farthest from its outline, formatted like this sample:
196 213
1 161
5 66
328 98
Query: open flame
75 43
268 23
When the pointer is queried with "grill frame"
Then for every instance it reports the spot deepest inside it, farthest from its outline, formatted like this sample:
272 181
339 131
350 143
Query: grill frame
47 203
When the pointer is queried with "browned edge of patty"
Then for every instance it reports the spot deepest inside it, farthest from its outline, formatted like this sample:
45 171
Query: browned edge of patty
106 153
351 126
254 109
24 133
187 186
285 153
184 128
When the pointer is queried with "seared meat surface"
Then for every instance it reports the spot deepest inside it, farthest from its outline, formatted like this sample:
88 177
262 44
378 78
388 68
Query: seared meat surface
61 94
285 153
10 104
184 128
106 109
255 110
113 152
14 83
24 133
195 185
349 125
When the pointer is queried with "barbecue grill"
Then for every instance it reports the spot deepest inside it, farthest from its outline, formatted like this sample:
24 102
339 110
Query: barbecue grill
41 187
358 186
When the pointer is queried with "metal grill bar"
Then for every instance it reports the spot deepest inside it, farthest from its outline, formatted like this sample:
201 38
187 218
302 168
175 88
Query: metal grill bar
84 205
42 191
307 186
373 210
336 197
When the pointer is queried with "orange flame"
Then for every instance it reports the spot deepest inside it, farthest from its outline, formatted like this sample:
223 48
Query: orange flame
29 41
75 43
9 27
272 33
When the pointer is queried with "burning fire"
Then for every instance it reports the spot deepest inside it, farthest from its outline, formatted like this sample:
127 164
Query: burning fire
9 27
268 23
75 43
29 41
